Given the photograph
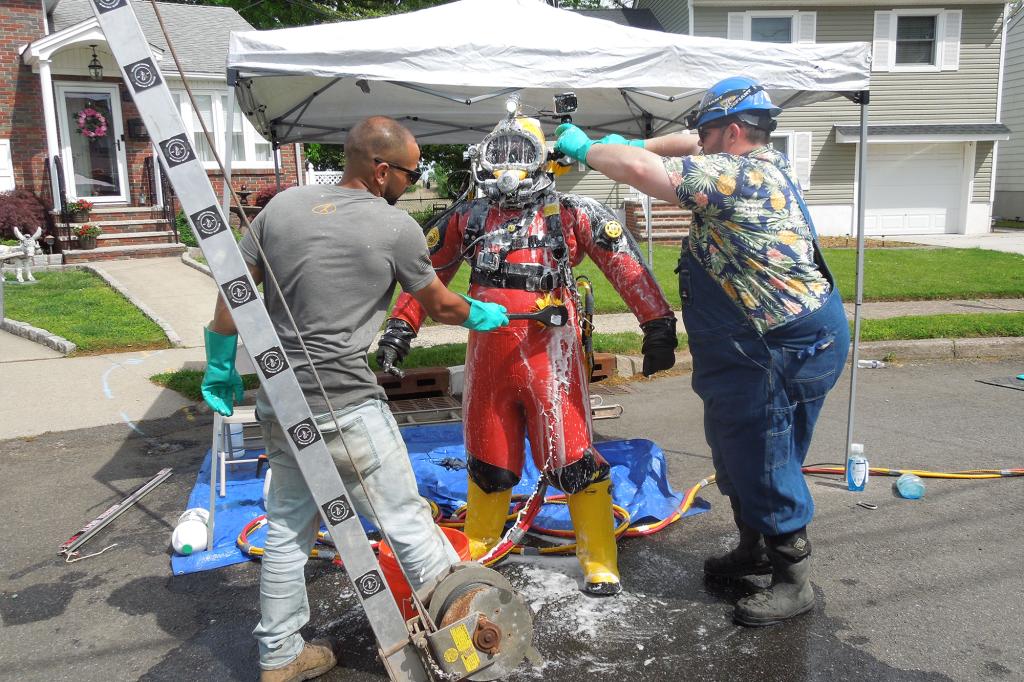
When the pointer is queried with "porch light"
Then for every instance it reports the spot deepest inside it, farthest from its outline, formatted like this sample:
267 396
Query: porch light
95 68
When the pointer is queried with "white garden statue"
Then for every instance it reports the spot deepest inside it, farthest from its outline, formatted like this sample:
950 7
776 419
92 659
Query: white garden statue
21 254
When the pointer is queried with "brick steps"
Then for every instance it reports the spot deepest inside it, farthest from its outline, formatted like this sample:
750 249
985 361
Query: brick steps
125 226
668 221
124 252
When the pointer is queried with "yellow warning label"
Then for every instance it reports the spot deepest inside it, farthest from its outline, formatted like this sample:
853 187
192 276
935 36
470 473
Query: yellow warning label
613 229
471 660
433 237
460 635
451 655
551 209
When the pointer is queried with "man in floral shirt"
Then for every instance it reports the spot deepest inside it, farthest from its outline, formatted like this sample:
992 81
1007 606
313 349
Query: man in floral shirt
765 323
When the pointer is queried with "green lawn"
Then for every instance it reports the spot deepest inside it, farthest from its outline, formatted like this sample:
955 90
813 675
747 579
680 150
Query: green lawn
83 309
1012 224
943 326
889 275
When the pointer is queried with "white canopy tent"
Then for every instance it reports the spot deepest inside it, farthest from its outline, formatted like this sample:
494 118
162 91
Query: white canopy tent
444 72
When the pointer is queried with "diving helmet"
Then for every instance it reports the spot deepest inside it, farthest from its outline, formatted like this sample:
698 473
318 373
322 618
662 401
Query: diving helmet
511 162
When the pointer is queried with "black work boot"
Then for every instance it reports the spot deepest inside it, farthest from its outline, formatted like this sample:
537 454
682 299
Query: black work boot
748 558
790 593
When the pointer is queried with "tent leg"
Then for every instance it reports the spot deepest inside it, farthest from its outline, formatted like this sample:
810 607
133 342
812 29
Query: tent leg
862 152
650 235
277 167
229 151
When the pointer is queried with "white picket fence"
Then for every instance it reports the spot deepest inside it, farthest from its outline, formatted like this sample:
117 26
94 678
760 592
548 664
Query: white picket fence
324 177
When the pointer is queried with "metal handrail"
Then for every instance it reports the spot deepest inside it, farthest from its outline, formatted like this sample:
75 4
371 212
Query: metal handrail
62 195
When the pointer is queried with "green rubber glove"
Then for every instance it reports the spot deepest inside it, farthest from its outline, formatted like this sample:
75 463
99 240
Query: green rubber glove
222 387
484 317
572 142
615 138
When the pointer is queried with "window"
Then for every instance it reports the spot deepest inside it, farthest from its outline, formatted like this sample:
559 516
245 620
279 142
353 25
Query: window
915 40
248 149
780 143
771 29
777 26
797 148
6 167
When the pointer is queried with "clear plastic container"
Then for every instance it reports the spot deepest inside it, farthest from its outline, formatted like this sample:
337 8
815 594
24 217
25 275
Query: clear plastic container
870 364
910 486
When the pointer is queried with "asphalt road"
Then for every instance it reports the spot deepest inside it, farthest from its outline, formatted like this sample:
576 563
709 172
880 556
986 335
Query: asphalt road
915 590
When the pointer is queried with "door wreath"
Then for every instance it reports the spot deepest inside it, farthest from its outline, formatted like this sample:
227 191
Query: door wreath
91 123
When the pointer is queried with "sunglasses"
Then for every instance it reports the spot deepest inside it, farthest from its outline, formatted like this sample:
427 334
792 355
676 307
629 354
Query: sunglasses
705 129
413 175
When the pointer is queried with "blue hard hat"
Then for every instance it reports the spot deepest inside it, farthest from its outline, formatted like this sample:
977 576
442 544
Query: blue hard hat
734 96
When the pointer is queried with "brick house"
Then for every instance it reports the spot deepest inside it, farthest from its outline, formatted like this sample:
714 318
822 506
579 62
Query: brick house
46 50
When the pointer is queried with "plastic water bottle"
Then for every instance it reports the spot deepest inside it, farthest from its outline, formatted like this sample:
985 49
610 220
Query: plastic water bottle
856 468
190 532
910 486
870 364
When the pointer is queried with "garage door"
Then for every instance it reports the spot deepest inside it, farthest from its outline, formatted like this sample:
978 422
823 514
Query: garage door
914 188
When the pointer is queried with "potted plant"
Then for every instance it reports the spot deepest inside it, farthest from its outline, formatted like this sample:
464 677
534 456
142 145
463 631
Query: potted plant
87 234
78 210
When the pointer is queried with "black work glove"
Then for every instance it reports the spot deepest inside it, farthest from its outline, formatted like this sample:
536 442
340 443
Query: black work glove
395 344
660 343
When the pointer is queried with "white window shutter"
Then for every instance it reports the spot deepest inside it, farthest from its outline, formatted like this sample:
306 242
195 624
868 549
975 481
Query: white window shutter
951 19
806 26
802 159
738 27
884 50
6 167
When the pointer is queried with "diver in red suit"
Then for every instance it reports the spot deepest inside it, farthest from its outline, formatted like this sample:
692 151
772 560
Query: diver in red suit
522 239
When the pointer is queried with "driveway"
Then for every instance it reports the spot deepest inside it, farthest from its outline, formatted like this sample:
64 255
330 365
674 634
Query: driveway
915 590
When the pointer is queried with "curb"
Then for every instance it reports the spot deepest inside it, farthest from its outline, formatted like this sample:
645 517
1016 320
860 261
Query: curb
187 259
172 335
920 349
40 336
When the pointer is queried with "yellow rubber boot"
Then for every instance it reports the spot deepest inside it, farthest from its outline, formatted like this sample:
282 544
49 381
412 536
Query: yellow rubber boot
485 518
591 512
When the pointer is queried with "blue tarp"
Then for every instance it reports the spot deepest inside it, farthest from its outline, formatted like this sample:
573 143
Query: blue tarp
639 475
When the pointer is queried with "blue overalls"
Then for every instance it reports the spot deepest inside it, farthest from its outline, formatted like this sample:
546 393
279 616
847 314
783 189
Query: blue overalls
762 393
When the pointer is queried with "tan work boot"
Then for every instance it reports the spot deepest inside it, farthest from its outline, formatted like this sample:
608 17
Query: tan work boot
316 658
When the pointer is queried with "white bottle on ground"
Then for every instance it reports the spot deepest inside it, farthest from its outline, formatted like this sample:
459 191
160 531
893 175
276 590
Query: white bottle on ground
190 532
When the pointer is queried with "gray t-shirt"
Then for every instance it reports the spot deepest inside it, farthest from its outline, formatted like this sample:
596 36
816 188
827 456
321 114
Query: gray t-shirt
337 254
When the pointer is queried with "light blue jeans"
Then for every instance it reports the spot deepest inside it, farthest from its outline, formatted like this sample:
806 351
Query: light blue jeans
379 455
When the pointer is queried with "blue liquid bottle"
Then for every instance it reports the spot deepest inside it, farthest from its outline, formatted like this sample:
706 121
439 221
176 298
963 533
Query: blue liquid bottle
856 468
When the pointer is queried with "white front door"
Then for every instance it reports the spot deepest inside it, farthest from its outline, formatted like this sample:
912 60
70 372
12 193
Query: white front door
91 134
915 188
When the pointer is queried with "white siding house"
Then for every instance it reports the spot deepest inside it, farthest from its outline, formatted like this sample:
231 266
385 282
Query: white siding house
934 118
1009 201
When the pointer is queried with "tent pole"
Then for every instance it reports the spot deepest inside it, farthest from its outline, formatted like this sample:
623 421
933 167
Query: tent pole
862 160
229 152
277 165
648 130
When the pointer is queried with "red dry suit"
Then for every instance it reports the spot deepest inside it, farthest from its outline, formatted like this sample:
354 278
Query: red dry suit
527 379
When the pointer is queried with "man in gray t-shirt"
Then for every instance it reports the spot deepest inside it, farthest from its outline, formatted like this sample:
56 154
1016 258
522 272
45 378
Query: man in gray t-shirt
336 253
342 249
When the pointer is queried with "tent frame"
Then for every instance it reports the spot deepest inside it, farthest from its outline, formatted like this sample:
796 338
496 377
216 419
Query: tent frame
645 123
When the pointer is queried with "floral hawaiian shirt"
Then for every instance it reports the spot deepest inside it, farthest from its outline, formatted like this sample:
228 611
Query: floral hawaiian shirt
749 233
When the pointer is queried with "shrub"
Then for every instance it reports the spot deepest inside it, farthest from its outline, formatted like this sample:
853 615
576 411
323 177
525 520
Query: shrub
20 208
185 235
263 197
